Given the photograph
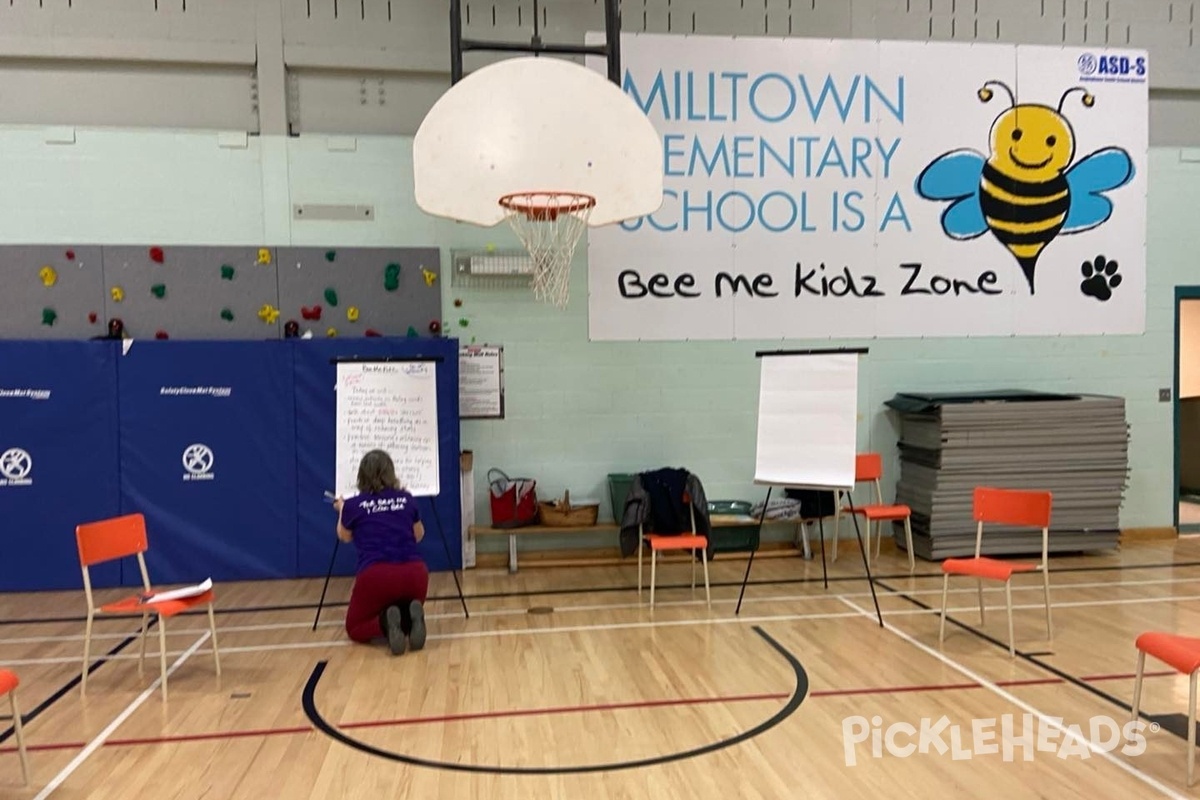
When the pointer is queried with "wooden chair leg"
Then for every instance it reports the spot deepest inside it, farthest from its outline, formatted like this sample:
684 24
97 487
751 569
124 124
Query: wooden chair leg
945 593
1137 686
912 558
144 633
162 653
837 521
693 572
212 627
19 733
1012 646
1046 583
653 574
87 654
1192 730
707 594
982 621
639 569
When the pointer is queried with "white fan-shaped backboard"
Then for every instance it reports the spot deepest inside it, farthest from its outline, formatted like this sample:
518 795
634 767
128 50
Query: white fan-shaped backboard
536 124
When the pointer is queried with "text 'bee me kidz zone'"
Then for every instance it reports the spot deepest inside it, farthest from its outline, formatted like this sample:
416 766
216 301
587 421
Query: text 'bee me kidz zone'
890 175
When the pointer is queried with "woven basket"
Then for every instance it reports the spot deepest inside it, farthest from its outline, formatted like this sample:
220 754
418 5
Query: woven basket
561 514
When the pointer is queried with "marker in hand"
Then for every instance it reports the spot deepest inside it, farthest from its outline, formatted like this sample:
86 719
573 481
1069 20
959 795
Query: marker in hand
330 497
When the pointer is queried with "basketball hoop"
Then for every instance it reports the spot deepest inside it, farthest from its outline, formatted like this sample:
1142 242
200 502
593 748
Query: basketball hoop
549 224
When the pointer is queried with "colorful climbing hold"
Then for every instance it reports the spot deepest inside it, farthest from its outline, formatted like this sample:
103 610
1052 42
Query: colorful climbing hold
430 276
70 255
226 272
161 334
156 255
458 302
48 275
391 277
291 329
412 332
268 313
435 327
352 313
331 332
159 290
462 323
49 315
92 317
264 256
372 332
331 255
227 314
331 296
310 313
117 293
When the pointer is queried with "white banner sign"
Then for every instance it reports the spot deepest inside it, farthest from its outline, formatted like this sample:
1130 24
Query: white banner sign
827 189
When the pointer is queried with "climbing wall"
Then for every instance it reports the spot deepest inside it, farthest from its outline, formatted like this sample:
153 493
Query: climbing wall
49 292
390 291
192 292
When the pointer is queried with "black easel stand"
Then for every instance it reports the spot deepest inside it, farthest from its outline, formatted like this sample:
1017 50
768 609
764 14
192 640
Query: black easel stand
824 573
449 559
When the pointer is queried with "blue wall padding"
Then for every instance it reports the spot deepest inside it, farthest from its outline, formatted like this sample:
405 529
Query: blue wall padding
58 459
208 454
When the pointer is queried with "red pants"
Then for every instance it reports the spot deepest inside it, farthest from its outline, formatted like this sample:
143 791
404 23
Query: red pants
379 586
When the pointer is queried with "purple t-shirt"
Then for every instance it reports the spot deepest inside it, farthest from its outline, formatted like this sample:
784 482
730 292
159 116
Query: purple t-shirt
382 527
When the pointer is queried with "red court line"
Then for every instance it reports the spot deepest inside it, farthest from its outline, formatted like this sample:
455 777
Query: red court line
535 712
521 712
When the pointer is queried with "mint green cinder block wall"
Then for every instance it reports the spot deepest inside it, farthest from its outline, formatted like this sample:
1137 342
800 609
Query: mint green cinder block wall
577 410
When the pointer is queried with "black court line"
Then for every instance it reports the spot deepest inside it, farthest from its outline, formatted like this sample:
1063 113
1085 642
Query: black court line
1026 656
798 694
71 684
606 590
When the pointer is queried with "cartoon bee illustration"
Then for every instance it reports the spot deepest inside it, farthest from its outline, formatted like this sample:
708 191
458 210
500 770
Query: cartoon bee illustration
1029 189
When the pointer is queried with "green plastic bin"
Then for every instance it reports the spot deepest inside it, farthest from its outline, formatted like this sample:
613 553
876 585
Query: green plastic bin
732 538
619 484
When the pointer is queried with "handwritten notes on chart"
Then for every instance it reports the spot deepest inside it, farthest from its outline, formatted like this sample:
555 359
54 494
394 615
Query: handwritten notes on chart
389 406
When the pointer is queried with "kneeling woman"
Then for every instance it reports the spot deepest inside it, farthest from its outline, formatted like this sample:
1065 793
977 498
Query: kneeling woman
391 580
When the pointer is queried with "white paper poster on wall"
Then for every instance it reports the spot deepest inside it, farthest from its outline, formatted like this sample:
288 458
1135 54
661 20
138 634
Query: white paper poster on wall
833 189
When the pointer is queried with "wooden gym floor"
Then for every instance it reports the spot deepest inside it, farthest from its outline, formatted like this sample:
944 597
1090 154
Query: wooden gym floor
560 685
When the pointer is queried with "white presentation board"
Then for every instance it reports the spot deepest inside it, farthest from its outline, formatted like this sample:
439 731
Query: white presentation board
807 420
392 406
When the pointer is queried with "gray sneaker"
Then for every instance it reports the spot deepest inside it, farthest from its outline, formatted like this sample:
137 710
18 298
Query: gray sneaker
416 636
394 630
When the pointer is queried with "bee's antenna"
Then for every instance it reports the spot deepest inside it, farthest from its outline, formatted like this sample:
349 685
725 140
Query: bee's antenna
1088 99
986 94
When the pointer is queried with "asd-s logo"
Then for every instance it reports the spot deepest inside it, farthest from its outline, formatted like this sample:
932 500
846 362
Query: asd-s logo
1104 66
198 461
15 466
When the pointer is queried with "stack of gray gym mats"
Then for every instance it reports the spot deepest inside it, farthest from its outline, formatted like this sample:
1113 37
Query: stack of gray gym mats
1075 446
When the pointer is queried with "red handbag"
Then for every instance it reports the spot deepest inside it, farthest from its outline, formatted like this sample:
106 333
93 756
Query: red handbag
514 501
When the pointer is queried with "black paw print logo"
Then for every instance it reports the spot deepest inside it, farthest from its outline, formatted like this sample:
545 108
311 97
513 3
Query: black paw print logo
1100 278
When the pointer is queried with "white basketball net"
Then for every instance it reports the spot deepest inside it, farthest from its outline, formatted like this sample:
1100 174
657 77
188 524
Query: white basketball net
550 225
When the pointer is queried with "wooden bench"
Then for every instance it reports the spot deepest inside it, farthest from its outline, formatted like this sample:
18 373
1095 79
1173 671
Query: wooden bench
718 521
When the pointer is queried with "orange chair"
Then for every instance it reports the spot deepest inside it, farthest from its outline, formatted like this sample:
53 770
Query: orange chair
1012 507
120 537
868 468
1182 653
666 542
8 686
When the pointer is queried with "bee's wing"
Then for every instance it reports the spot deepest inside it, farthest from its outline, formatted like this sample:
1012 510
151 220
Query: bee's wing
1091 176
956 176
